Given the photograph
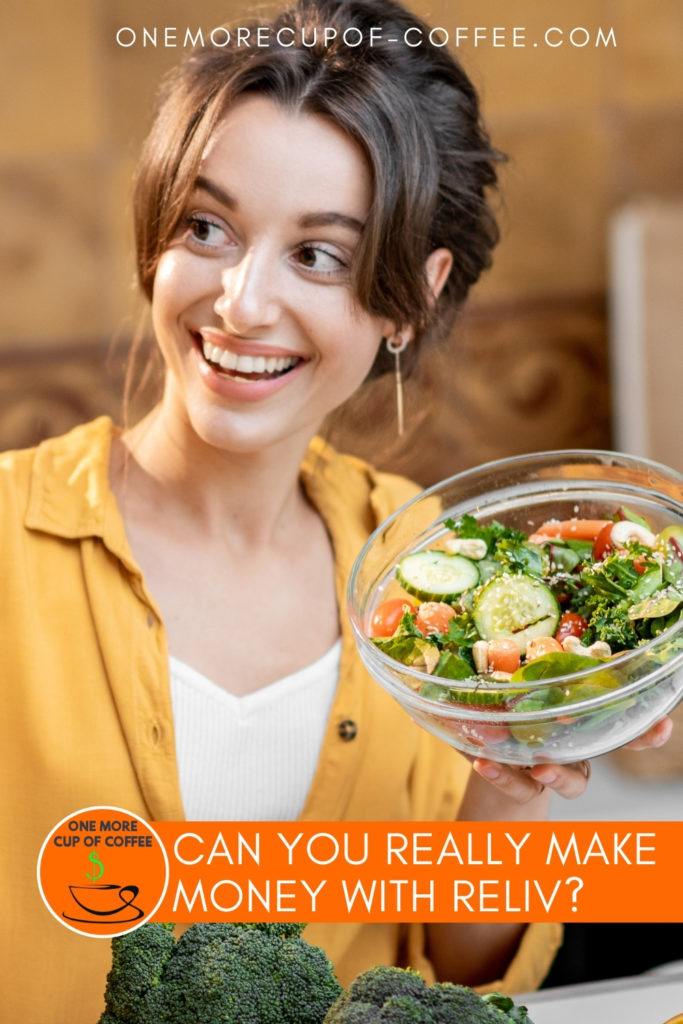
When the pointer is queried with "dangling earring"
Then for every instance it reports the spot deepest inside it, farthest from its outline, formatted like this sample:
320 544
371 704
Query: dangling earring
395 345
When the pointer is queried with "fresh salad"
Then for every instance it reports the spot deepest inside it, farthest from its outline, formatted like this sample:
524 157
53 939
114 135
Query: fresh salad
494 604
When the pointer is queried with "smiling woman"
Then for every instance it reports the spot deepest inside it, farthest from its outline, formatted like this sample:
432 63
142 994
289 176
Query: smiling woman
252 297
172 592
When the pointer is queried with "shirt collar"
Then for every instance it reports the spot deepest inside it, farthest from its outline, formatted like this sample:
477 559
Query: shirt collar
69 484
69 493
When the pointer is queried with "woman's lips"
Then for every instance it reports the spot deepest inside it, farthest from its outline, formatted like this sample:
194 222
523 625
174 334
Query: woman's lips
231 385
241 346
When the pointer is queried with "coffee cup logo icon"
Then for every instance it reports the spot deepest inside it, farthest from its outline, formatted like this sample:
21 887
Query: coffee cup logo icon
105 903
102 871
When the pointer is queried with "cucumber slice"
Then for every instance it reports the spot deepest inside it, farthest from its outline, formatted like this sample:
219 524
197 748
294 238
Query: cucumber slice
516 608
487 694
436 576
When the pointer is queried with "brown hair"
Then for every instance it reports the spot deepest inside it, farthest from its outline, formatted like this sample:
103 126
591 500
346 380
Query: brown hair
413 110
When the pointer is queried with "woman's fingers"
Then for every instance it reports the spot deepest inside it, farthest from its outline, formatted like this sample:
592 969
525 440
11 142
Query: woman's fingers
567 780
657 736
514 782
523 785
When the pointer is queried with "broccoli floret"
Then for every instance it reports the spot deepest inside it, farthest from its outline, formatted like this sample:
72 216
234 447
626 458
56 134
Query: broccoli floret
138 963
381 983
405 1010
451 1003
308 986
355 1013
507 1009
368 993
389 995
221 974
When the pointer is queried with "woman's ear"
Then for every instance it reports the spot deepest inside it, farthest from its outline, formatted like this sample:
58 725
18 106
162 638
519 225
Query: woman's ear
438 266
390 330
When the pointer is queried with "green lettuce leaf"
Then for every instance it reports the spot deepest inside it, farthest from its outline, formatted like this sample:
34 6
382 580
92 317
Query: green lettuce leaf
662 603
552 665
647 584
417 652
452 666
521 557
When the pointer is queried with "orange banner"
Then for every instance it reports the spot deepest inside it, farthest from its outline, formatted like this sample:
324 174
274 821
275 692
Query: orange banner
420 871
103 871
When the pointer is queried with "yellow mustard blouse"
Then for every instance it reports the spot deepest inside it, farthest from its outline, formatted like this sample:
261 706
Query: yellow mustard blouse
86 718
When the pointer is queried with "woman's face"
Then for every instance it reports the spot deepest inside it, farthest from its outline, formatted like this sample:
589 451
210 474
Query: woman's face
252 306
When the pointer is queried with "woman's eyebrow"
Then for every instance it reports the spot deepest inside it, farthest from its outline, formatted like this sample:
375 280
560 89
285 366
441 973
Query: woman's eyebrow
307 220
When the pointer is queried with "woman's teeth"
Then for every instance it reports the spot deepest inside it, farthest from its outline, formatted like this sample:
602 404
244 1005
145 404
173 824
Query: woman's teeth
242 365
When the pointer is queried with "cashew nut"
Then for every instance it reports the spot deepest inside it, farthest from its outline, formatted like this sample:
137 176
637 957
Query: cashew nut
480 655
469 547
626 531
599 649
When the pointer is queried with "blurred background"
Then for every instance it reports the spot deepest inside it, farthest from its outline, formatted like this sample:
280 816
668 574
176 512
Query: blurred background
573 339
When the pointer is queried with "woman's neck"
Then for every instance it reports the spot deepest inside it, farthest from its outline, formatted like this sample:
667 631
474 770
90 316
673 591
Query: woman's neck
167 472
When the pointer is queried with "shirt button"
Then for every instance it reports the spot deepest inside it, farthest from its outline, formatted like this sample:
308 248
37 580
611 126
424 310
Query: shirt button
347 730
150 619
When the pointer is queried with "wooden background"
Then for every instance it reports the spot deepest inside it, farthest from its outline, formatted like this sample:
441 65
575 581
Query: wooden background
586 129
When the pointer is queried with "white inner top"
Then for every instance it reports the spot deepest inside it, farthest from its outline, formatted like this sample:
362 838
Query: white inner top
250 758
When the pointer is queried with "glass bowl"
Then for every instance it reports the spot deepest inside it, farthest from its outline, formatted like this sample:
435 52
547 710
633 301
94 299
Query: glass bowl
588 713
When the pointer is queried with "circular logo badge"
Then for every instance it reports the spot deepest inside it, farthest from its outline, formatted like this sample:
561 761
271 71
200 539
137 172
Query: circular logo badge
102 871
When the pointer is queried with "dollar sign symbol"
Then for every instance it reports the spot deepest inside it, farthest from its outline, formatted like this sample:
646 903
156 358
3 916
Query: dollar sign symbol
94 859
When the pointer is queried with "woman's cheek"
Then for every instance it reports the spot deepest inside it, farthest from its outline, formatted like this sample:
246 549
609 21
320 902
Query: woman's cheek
362 340
349 340
350 364
179 282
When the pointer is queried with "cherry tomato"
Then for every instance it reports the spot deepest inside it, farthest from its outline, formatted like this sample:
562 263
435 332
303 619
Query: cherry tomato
570 624
433 617
484 734
602 545
640 564
479 734
542 645
503 656
388 615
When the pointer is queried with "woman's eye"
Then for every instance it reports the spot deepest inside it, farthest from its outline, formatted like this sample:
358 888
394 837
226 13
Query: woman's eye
205 232
320 261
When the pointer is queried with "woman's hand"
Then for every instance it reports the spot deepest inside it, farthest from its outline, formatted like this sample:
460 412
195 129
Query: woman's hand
569 780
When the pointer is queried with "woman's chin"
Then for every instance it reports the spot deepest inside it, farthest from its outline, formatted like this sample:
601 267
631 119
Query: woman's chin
238 434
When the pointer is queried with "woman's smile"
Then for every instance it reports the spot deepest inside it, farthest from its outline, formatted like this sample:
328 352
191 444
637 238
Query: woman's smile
242 369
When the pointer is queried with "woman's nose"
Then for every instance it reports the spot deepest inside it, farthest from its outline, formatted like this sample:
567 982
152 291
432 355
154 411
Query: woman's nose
247 300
